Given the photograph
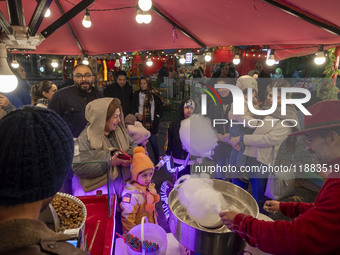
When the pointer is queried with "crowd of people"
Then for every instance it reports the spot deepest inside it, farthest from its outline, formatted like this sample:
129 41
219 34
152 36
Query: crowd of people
123 121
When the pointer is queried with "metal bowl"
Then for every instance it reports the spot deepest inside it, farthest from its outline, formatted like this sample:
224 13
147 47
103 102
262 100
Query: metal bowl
219 240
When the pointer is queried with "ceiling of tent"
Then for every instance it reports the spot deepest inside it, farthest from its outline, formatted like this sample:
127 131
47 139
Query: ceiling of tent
213 23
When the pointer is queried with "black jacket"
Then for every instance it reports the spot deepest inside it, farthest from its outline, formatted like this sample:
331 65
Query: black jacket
174 146
70 104
158 109
124 94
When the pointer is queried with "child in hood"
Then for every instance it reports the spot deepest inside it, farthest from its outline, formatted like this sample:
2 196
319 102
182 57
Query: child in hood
139 195
137 132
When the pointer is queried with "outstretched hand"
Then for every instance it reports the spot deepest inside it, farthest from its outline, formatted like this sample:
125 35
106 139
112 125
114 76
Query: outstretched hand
227 217
272 206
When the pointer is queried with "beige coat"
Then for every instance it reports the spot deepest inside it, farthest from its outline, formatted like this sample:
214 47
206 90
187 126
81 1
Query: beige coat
265 142
133 206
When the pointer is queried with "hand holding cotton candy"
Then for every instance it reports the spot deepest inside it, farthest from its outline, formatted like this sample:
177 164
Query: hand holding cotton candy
205 207
202 201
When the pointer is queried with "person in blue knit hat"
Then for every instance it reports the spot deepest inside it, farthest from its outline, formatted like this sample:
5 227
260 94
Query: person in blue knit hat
36 152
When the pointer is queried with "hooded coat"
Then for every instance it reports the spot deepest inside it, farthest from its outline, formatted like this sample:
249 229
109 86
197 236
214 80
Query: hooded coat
93 176
134 206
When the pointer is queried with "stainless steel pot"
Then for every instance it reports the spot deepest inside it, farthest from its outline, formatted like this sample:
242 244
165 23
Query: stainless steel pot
211 241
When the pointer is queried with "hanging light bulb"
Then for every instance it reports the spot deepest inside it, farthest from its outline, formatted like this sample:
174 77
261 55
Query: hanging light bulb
236 59
86 20
147 17
320 56
149 62
271 60
8 81
54 63
86 61
139 17
182 60
117 63
145 5
207 57
15 63
47 13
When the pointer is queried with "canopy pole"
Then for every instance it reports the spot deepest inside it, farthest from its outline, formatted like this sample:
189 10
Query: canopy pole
331 28
16 13
70 27
66 17
173 23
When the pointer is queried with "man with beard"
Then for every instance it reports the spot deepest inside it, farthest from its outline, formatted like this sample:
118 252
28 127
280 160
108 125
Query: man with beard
70 102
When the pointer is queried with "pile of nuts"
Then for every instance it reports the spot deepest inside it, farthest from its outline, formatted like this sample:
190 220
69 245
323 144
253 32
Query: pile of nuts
70 213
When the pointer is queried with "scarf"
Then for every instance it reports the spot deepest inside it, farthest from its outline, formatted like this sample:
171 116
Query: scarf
151 195
147 123
42 101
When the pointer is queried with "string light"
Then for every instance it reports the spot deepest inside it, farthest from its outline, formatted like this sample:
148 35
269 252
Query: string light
271 60
236 59
147 17
86 20
86 61
145 5
320 56
47 13
207 57
143 17
54 63
149 62
8 81
15 63
182 60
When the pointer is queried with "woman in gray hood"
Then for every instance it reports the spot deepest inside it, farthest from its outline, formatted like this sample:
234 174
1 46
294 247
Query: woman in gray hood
105 130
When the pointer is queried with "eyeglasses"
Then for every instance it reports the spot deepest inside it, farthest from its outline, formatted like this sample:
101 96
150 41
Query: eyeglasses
309 139
80 76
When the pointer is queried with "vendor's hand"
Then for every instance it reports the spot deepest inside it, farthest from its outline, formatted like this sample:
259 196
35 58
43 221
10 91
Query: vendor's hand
139 116
219 137
235 142
3 101
272 206
227 217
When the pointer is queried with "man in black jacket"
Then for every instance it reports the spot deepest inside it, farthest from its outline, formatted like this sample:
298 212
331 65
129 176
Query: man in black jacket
70 102
122 90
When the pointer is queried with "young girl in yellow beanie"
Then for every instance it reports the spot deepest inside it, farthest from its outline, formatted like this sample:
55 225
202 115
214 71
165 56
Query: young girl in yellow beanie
139 195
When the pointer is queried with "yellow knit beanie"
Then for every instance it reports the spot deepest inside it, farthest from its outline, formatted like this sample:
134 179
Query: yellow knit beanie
140 162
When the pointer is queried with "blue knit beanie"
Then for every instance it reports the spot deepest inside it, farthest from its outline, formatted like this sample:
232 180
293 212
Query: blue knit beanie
36 151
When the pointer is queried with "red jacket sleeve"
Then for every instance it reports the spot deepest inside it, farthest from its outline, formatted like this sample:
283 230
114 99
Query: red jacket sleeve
293 209
314 231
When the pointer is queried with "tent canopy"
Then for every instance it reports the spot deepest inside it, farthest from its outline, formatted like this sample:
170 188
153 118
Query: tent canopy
212 23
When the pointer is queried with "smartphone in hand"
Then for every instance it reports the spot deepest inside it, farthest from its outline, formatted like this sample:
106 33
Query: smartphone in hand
121 154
